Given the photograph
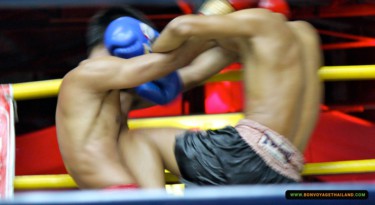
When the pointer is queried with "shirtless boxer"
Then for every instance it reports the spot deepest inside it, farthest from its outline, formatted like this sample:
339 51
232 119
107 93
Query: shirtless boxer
282 90
275 91
95 98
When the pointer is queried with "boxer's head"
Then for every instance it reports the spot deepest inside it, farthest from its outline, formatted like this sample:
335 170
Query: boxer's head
99 22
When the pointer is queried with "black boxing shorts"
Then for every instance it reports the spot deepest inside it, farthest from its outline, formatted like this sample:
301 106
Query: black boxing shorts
248 153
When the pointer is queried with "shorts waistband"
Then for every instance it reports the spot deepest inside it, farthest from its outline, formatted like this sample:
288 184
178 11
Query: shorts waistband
277 151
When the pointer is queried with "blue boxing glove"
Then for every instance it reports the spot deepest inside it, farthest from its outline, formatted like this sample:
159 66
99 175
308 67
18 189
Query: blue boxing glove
161 91
127 37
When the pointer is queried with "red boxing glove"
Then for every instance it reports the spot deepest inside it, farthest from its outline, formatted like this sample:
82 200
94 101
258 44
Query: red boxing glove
217 7
278 6
243 4
220 7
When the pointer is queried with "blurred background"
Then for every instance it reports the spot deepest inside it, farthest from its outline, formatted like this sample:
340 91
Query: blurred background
42 40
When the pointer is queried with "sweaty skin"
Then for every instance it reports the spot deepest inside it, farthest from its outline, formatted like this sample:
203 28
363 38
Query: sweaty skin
277 56
92 111
88 118
280 61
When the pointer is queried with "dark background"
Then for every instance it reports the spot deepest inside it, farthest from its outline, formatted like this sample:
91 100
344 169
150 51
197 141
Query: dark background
42 40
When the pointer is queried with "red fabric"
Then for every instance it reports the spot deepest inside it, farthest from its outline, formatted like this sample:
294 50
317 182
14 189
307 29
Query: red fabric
122 186
185 6
340 137
38 153
243 4
224 97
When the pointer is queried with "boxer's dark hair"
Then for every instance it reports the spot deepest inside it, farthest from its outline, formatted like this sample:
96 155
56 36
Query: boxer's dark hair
99 22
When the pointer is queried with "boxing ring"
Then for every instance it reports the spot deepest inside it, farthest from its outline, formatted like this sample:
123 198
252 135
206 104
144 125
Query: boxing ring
175 193
234 195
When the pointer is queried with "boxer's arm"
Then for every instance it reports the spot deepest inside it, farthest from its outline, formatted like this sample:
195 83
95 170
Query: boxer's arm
107 73
244 23
205 66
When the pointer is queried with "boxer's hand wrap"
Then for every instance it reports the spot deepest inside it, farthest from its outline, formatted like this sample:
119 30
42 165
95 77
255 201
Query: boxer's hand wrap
127 37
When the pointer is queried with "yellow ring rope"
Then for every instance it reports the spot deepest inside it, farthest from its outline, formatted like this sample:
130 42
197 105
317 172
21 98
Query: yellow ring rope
50 88
62 181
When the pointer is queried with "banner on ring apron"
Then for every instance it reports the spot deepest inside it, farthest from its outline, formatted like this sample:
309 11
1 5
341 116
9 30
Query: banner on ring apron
7 142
